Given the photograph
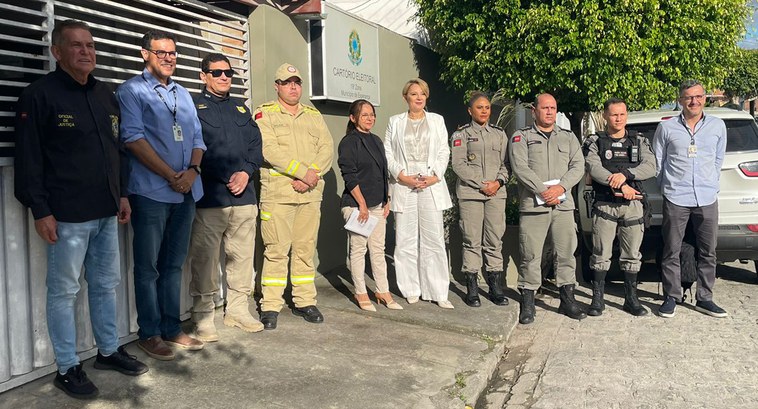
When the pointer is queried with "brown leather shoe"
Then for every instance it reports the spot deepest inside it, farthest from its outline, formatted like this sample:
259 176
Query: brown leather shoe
184 341
155 348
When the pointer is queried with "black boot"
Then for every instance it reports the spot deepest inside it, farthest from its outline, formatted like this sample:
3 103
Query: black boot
631 302
598 291
472 290
526 308
569 307
495 281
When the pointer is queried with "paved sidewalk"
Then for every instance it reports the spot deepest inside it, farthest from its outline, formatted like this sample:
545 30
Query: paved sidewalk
621 361
421 357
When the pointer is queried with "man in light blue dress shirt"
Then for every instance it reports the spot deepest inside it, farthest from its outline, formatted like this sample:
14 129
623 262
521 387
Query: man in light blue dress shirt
689 150
162 133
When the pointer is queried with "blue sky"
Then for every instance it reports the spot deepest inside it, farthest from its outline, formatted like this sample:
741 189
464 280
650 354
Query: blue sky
751 37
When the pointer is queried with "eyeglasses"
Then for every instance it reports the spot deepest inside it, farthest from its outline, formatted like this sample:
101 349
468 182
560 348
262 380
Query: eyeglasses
364 116
692 97
296 83
162 54
217 73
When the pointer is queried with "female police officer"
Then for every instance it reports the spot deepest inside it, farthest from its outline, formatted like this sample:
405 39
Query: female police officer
479 160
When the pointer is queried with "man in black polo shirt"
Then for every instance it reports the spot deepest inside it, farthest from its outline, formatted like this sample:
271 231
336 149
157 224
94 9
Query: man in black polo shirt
228 209
69 170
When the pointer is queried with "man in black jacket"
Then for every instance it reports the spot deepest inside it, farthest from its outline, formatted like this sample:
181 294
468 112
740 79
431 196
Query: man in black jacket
228 210
70 171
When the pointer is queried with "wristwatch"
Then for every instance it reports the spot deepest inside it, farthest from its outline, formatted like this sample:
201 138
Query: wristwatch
501 182
196 168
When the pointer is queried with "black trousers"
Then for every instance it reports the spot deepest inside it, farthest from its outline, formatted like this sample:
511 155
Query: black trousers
705 223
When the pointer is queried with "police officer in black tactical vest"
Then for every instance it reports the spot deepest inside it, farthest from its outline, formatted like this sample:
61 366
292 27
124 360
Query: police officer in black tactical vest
618 163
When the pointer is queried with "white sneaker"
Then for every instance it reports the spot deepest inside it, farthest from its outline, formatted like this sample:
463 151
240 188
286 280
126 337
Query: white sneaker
445 304
412 300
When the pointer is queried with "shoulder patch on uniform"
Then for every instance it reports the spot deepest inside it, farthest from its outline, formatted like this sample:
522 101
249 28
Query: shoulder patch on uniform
258 115
311 110
464 126
516 138
270 107
457 142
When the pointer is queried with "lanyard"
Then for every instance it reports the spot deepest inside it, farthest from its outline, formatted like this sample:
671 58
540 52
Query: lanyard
687 127
176 100
173 111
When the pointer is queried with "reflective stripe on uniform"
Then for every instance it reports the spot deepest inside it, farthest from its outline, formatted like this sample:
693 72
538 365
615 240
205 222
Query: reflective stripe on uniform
274 281
305 279
273 172
315 167
265 215
293 167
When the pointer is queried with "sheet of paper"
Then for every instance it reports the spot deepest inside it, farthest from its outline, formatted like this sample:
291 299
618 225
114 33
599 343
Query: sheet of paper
549 183
364 229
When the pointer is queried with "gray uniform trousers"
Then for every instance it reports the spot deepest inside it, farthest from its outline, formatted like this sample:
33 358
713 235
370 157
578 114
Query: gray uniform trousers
533 228
482 223
630 237
705 223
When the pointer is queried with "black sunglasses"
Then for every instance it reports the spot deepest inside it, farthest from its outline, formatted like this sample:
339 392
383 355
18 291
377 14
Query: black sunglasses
217 73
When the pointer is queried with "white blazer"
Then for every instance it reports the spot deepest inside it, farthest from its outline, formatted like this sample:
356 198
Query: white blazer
439 156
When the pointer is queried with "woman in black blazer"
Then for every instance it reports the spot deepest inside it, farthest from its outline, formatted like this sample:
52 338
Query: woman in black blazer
364 169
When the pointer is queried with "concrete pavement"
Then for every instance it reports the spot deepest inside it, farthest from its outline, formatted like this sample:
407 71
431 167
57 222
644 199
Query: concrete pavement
620 361
420 357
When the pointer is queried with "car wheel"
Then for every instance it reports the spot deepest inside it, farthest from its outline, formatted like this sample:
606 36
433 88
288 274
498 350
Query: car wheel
756 266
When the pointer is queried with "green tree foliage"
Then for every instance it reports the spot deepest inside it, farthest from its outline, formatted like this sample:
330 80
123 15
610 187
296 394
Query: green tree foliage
742 80
584 51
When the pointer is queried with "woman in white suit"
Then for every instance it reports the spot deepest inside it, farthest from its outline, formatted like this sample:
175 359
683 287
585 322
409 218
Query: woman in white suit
417 150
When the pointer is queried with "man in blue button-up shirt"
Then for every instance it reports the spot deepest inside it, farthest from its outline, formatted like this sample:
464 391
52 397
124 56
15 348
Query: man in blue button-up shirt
689 150
161 131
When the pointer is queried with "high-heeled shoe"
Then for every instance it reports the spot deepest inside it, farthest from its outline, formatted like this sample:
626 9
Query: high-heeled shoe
412 299
445 304
364 302
386 299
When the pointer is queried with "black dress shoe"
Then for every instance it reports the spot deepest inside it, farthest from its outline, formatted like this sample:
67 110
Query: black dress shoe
309 313
268 319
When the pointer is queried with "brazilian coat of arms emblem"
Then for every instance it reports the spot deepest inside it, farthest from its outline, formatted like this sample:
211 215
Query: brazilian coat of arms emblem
354 50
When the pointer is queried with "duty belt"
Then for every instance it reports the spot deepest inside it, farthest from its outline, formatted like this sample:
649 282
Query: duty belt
622 222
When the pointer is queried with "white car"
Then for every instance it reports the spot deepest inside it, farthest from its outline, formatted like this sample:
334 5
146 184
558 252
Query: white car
738 196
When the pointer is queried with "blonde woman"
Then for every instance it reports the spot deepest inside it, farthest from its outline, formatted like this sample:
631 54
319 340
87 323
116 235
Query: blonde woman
417 152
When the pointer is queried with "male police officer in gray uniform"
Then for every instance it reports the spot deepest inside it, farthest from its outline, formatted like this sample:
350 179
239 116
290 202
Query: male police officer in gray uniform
547 162
479 160
618 163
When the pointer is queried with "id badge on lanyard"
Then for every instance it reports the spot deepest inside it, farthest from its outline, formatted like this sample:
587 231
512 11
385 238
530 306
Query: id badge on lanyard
692 149
178 136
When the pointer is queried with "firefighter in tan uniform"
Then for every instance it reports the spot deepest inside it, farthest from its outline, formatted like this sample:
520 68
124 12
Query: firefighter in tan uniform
479 161
547 161
297 151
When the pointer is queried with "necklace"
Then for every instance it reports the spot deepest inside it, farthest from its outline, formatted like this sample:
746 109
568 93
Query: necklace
420 115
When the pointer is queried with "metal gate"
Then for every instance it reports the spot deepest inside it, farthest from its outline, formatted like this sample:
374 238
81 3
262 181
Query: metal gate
117 26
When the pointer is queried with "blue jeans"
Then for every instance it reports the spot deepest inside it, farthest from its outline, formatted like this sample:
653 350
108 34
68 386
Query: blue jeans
94 245
161 241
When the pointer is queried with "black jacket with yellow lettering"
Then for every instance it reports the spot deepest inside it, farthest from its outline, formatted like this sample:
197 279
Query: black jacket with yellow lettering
234 145
69 161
